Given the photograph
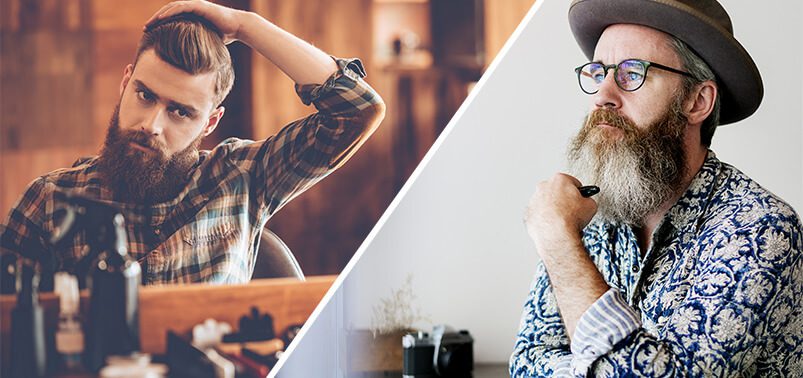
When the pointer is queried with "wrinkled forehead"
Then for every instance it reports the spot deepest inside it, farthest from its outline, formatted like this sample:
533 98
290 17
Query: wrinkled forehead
625 41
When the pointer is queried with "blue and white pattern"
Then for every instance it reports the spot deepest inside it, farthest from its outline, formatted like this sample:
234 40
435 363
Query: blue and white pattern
718 293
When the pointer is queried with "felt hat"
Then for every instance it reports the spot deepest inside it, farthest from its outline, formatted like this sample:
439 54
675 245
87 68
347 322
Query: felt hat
702 24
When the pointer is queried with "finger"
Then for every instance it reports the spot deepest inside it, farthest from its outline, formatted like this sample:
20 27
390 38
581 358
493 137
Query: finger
570 179
179 7
198 7
155 16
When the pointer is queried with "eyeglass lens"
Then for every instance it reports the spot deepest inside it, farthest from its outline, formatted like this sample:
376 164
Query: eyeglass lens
629 75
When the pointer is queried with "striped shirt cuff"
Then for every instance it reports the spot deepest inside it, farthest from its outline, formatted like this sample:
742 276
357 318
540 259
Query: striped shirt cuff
563 369
607 322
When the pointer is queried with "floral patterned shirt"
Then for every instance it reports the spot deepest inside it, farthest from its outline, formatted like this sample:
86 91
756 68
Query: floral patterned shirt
717 293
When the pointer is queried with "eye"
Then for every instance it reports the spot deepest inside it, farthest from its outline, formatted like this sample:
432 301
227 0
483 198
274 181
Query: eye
144 96
631 71
634 76
598 77
596 72
180 113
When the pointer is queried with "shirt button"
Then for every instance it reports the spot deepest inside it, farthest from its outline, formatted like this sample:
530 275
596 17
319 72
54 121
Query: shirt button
157 231
635 269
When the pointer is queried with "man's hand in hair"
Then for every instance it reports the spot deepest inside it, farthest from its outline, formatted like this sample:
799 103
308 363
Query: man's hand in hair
227 20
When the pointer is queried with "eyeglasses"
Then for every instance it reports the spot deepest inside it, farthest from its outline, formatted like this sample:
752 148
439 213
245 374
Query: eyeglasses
628 74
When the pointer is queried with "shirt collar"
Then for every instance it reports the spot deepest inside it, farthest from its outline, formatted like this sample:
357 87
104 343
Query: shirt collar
688 210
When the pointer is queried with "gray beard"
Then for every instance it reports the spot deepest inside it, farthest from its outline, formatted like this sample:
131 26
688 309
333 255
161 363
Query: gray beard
637 174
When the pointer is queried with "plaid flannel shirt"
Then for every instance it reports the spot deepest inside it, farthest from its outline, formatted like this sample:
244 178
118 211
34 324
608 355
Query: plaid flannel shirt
210 232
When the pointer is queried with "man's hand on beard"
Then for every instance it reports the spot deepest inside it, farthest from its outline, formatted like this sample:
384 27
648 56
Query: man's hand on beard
556 216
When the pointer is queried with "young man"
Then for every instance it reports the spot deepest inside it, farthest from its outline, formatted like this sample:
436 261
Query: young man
197 216
683 266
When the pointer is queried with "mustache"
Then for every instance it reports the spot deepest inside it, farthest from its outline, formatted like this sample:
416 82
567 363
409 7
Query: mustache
140 137
610 117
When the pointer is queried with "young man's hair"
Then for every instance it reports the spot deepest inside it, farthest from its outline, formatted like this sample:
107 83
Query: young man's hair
700 72
193 45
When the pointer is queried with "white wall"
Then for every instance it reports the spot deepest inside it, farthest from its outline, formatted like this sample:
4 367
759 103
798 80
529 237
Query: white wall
459 228
767 146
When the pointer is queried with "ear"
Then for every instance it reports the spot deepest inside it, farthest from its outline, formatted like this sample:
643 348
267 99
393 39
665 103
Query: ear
214 120
127 72
701 103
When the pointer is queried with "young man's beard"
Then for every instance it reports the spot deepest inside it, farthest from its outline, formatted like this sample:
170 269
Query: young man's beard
636 173
141 177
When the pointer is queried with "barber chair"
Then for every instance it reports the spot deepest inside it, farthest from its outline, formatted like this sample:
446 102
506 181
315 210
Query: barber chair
274 259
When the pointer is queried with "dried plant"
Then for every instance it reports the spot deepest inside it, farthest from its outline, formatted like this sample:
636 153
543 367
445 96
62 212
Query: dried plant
396 313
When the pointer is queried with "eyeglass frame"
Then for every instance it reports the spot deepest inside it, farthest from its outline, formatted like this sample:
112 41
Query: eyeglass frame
646 63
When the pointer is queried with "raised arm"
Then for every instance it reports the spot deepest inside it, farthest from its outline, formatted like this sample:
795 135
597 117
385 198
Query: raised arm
302 62
306 150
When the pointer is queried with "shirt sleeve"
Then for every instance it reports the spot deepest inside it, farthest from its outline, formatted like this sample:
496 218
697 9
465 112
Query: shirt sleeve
542 345
605 324
744 307
308 149
24 231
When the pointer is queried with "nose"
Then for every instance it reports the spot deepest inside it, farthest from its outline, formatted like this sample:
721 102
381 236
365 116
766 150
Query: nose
609 94
153 124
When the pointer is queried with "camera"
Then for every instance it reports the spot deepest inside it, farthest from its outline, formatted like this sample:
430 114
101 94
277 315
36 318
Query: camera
444 353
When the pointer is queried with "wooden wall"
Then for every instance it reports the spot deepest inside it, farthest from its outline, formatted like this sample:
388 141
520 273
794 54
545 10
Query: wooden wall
324 225
45 101
62 61
501 19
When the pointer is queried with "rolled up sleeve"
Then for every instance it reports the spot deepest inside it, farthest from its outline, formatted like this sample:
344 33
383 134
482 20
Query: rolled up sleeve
308 149
607 322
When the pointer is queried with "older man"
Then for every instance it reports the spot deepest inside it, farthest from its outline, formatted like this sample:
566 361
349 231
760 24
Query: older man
683 266
197 216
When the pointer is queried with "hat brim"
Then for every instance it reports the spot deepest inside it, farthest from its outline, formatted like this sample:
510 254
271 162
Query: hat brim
739 82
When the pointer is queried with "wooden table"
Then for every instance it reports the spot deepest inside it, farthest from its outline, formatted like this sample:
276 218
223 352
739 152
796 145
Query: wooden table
180 307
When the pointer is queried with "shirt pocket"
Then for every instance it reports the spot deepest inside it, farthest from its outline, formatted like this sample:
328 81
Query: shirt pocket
213 254
198 236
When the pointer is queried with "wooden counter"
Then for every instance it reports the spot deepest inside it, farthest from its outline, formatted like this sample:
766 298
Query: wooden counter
181 307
